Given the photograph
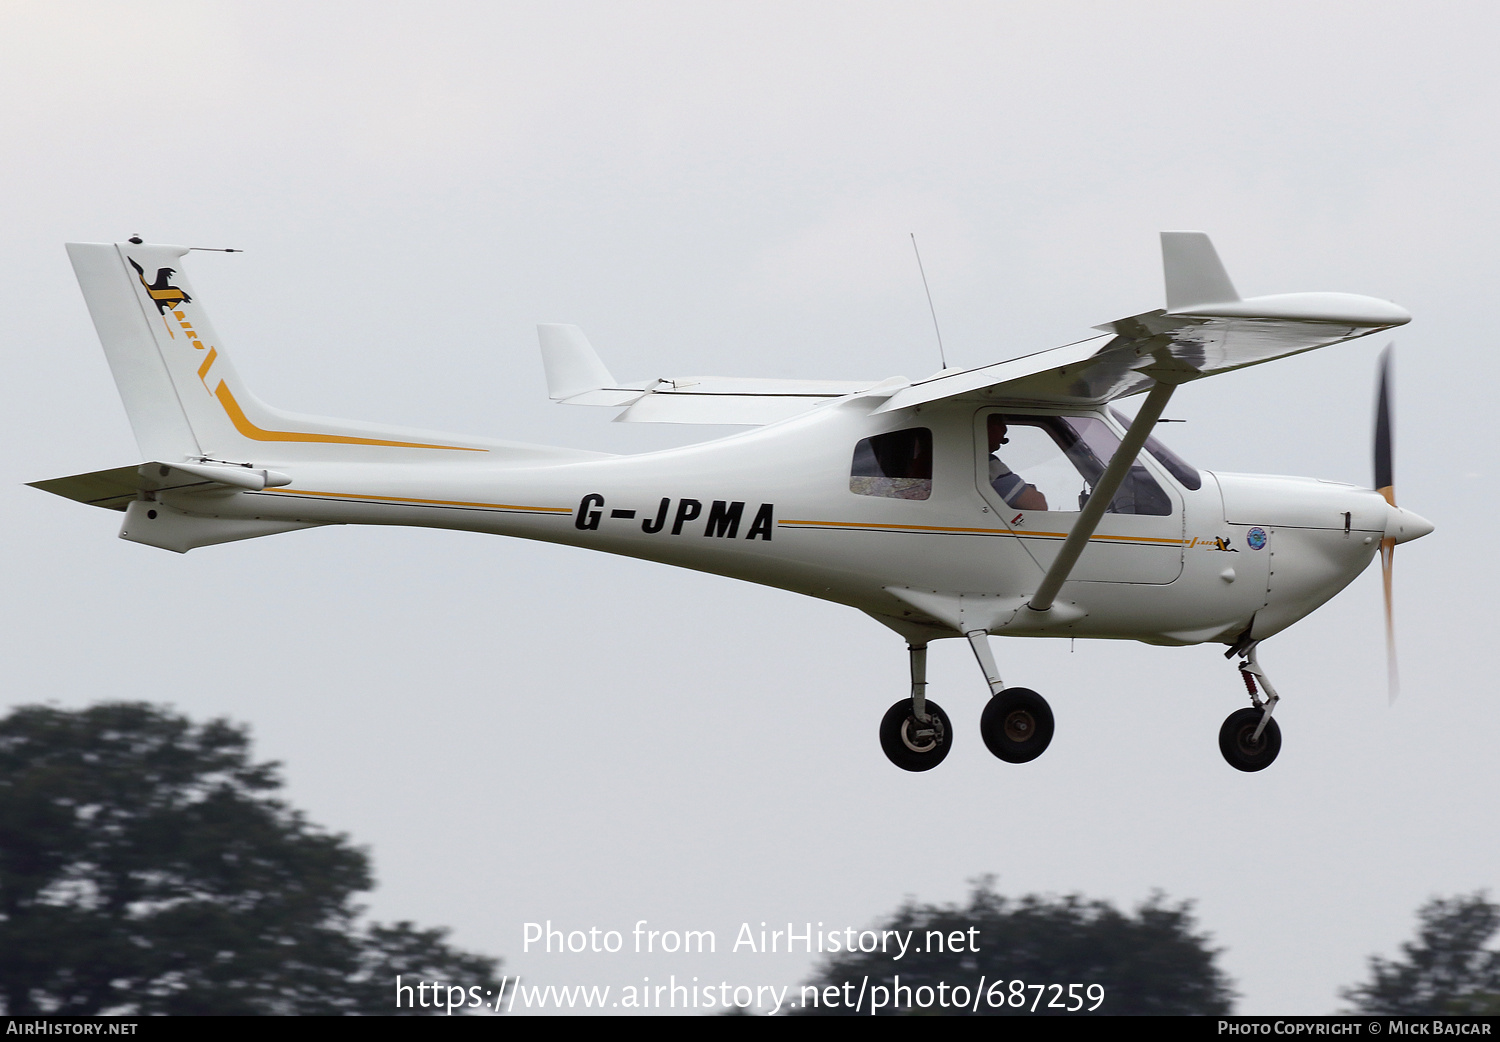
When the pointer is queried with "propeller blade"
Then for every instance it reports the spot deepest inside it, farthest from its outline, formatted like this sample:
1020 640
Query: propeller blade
1392 675
1385 484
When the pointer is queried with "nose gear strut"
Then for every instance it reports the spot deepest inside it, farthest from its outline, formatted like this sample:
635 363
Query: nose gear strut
1249 738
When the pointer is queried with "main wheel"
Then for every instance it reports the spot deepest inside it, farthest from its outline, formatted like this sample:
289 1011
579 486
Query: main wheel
1017 725
1236 741
911 744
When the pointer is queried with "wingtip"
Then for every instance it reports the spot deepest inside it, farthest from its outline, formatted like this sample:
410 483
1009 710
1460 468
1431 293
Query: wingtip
1193 273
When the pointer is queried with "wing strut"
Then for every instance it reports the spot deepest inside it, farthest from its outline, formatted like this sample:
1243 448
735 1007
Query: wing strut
1103 494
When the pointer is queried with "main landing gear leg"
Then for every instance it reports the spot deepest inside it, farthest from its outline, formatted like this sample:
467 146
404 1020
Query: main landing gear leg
979 640
1017 723
1250 739
917 653
915 733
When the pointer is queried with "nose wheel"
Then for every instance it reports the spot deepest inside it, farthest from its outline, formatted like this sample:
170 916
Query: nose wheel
1245 744
1017 725
914 744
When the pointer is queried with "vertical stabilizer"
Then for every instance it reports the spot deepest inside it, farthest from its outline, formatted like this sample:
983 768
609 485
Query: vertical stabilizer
182 394
180 391
140 370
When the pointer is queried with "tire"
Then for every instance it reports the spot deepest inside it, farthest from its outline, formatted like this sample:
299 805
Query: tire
904 747
1239 751
1017 725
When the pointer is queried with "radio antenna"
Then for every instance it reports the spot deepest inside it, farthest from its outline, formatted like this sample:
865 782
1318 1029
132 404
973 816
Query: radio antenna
942 355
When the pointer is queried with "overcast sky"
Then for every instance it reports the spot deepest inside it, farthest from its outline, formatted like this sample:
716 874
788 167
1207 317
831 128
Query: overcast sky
521 732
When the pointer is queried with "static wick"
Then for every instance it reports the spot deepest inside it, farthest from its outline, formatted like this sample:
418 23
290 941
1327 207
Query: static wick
942 355
214 249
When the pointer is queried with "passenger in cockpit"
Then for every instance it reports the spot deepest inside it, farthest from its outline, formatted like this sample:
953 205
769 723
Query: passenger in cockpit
1011 486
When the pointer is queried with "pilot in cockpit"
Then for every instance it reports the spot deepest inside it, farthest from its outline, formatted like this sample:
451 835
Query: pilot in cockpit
1011 486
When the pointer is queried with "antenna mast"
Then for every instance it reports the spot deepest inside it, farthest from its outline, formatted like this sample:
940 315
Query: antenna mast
942 355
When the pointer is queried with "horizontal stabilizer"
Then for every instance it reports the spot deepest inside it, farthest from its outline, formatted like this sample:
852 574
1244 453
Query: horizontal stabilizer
114 489
137 490
111 489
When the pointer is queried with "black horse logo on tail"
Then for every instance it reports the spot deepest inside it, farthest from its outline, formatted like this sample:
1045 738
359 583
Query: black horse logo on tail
163 294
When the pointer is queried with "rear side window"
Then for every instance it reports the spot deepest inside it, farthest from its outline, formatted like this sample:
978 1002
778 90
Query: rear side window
897 465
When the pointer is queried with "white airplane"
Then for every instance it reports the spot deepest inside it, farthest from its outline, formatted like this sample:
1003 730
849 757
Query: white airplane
1006 500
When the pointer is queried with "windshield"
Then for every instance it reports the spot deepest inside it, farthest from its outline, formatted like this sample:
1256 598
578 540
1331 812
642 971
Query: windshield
1186 475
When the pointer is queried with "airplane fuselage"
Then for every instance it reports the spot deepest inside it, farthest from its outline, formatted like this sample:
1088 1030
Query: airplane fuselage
774 506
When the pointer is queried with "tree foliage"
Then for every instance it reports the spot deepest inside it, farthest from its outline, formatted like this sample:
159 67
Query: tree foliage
1447 969
1152 962
147 867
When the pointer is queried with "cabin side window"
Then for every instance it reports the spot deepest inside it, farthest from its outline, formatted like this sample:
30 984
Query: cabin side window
897 465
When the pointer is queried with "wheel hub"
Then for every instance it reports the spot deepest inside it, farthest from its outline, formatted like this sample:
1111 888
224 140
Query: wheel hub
920 737
1019 725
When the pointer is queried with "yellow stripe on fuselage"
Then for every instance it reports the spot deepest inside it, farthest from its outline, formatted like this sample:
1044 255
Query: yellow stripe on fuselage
878 526
421 502
250 430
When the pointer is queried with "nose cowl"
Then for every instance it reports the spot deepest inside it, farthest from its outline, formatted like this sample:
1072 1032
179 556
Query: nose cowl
1402 525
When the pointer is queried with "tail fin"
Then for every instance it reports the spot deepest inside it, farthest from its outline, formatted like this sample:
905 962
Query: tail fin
180 391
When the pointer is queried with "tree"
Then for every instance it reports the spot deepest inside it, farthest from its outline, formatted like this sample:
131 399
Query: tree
1446 970
147 867
1149 963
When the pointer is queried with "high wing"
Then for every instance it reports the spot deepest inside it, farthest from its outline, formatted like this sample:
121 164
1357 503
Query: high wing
576 376
1206 328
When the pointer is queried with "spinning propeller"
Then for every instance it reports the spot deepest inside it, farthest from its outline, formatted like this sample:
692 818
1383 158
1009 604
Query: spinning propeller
1401 525
1385 484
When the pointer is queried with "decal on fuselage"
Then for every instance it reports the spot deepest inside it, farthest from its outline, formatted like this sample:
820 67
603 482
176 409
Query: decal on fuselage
723 520
1217 543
